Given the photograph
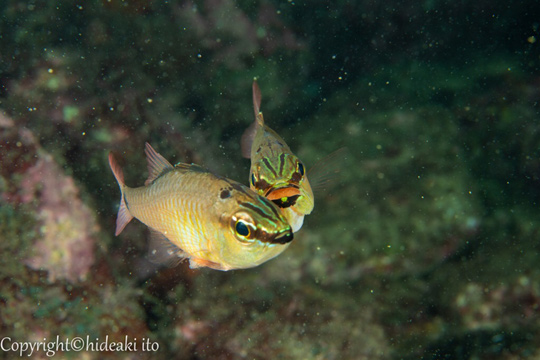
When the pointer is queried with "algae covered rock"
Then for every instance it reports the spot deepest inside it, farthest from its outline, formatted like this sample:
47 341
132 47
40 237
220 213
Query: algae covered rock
66 227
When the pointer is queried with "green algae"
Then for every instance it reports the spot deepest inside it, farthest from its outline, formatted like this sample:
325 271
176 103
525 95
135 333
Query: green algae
426 244
17 234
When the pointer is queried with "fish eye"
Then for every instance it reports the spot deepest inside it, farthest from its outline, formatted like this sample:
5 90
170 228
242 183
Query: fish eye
300 168
242 229
253 181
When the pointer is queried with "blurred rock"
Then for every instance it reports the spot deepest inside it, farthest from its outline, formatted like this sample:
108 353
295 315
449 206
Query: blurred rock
65 241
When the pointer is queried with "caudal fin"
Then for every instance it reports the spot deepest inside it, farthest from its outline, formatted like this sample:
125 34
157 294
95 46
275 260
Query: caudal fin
124 216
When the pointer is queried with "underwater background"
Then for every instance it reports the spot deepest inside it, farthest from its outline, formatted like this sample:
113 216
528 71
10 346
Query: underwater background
425 246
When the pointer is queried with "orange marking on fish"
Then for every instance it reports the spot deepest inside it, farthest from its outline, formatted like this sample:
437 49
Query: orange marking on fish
283 193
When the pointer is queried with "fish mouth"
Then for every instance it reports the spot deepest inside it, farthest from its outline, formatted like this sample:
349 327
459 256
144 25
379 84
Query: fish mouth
286 201
284 197
285 191
283 238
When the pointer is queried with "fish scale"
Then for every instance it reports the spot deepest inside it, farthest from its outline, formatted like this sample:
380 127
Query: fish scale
169 193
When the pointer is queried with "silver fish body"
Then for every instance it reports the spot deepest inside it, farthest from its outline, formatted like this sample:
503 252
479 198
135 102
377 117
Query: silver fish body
213 221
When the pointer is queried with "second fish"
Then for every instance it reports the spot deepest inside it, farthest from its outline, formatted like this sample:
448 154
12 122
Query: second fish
276 173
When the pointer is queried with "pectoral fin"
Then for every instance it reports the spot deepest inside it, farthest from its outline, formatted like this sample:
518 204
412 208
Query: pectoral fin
162 251
326 171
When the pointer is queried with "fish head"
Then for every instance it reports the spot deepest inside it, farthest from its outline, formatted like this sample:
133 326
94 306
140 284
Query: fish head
255 230
283 180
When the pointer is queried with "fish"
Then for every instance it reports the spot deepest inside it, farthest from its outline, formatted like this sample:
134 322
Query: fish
195 214
275 172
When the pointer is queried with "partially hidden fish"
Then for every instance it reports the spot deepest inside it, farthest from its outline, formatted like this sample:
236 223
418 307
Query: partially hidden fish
197 215
276 173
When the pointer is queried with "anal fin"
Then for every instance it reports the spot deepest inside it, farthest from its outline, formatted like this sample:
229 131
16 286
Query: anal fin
195 263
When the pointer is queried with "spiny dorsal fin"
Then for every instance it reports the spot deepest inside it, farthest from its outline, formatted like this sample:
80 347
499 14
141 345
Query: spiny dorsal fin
157 164
259 119
191 167
256 98
249 134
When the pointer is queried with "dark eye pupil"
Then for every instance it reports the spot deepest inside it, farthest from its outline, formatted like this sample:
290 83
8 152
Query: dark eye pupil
241 228
253 179
301 169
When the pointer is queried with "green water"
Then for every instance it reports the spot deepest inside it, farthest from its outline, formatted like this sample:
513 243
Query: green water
425 246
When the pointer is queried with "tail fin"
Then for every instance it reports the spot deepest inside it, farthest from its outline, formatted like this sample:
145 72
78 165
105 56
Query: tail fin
124 216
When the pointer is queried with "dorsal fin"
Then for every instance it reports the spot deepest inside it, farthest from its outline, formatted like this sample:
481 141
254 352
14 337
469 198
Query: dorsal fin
249 134
191 167
259 119
157 164
256 98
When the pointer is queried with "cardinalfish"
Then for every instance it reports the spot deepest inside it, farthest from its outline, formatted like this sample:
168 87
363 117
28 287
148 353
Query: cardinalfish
210 220
276 173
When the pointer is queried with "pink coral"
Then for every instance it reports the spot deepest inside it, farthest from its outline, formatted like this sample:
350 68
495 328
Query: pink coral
66 247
